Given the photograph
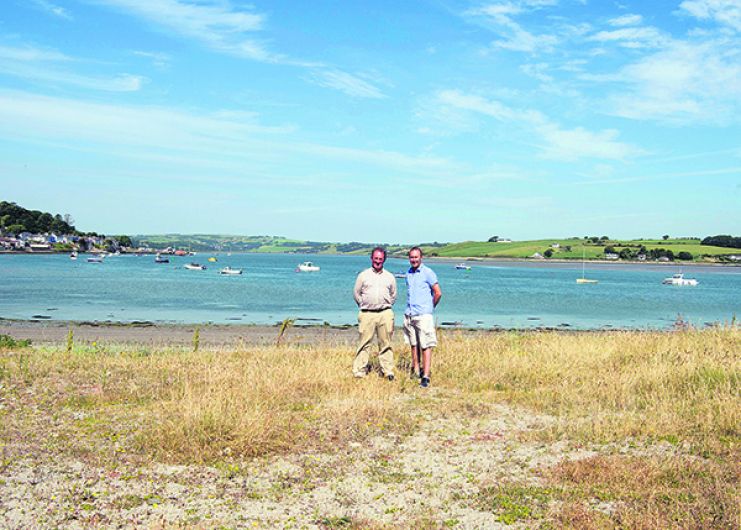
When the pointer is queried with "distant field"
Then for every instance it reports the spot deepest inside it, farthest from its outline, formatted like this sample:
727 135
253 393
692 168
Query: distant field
525 249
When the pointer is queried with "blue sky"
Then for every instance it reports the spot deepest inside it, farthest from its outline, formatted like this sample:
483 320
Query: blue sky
375 121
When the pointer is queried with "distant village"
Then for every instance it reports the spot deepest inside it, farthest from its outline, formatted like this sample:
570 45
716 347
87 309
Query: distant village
47 243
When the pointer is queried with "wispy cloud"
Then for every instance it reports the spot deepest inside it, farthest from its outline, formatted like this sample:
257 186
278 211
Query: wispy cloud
724 12
626 20
43 65
52 9
349 84
235 139
557 142
500 17
685 82
160 60
638 37
215 24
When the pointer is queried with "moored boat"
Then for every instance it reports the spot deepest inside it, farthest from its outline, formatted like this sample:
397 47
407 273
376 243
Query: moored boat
463 267
95 259
679 279
194 267
307 266
159 258
229 270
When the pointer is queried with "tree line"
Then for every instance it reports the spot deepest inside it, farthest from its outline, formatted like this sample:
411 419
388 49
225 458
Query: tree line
722 241
15 219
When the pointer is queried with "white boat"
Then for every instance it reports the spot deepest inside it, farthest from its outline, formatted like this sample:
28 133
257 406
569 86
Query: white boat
679 279
73 255
307 266
463 267
229 270
194 267
584 279
95 259
161 259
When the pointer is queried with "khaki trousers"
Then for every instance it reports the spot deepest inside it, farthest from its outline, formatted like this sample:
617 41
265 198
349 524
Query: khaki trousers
380 324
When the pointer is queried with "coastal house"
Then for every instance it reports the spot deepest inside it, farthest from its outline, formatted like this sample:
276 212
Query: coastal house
555 245
611 256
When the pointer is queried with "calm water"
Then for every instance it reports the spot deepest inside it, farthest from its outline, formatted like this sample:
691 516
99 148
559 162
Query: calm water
510 295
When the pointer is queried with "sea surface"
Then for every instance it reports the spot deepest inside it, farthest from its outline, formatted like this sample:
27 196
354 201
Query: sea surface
519 295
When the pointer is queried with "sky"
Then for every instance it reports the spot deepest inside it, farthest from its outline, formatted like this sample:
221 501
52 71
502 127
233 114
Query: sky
375 121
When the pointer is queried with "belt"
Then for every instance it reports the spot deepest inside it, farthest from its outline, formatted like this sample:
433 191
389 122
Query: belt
374 310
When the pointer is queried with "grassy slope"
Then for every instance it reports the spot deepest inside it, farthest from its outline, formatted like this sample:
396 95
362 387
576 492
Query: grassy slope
525 249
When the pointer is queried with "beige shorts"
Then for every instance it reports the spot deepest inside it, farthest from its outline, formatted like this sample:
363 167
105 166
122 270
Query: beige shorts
420 327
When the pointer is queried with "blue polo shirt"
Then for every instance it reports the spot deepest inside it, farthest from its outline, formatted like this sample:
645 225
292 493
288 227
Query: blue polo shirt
419 291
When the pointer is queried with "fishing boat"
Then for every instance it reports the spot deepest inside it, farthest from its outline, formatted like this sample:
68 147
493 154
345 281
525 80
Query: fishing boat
159 258
583 278
194 267
679 279
463 267
229 270
307 266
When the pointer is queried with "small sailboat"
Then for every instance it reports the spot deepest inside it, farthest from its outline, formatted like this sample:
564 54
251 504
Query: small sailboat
583 278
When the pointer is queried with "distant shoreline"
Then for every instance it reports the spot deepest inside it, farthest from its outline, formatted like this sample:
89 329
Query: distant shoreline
470 260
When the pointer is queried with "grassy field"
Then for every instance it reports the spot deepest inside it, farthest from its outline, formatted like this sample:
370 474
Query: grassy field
525 249
643 429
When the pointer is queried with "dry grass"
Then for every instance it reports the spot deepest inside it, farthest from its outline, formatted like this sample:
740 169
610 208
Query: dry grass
105 403
609 386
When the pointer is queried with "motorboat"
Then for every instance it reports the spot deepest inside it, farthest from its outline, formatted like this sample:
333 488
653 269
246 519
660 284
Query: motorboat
463 267
95 259
194 267
400 274
73 255
679 279
159 258
307 266
229 270
212 259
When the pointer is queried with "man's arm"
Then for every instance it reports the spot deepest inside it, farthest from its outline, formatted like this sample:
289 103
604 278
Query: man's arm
437 294
358 288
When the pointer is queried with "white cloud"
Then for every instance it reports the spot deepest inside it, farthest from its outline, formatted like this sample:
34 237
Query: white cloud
37 64
514 37
537 71
215 24
557 142
633 37
31 54
160 60
349 84
686 82
53 9
724 12
182 139
626 20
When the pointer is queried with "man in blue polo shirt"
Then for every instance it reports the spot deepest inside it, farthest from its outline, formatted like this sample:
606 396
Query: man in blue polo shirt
423 295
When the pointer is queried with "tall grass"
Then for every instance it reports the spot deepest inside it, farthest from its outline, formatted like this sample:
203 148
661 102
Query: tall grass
187 406
607 386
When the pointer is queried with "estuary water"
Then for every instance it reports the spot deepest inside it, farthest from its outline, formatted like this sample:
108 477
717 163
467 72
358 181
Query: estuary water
519 295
